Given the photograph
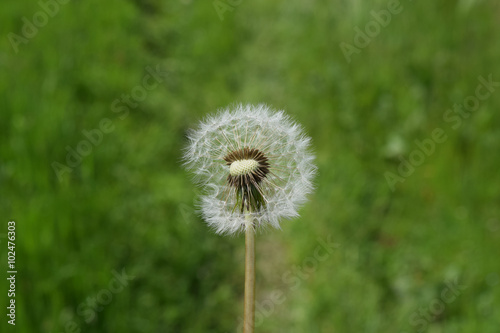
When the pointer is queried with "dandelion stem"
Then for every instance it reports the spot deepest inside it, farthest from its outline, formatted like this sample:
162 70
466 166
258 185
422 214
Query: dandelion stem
249 275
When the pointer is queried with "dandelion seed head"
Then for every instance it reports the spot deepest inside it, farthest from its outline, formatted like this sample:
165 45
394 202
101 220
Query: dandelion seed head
250 160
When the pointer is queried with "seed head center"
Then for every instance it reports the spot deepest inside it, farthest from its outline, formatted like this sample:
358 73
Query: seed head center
248 167
243 167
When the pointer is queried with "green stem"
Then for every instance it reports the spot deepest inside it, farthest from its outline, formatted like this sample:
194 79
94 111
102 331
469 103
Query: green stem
249 320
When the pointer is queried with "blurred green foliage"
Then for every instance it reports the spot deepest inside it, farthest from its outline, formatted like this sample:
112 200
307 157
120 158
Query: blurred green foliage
128 205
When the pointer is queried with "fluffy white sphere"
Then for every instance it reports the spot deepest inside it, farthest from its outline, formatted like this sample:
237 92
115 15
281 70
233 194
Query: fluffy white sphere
285 147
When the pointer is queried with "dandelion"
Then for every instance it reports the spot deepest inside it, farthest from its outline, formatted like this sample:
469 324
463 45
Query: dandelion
250 161
256 169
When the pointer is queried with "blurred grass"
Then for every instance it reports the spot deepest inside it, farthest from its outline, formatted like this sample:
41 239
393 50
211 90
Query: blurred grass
129 205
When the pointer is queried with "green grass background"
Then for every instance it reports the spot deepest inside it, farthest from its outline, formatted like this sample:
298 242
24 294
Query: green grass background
130 206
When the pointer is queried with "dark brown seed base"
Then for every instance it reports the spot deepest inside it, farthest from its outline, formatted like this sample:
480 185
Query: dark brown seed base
248 187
